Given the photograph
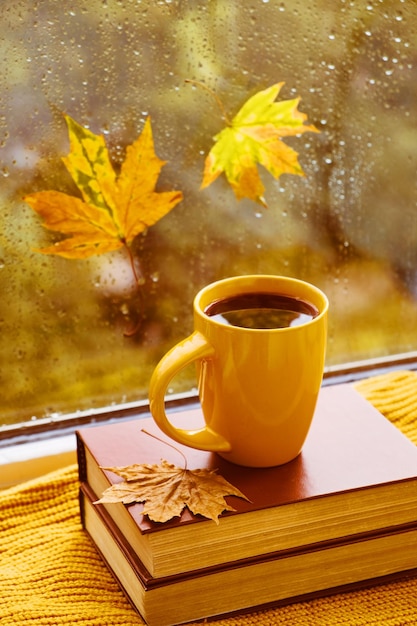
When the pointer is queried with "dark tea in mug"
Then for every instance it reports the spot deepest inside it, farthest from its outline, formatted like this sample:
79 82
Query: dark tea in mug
262 311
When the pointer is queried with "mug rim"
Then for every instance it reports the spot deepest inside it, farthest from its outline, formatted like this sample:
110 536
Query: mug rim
248 278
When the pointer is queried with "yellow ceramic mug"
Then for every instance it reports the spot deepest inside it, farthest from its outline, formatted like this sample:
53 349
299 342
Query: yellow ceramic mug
258 387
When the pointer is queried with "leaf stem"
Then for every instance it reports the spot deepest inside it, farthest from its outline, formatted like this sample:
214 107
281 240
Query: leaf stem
214 95
139 279
167 444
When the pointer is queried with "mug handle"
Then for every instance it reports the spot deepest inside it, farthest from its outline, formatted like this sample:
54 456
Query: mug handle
185 352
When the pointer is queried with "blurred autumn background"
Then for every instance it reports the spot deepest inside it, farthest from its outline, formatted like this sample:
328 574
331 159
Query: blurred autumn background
349 226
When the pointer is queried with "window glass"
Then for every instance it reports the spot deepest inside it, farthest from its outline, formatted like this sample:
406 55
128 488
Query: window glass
349 225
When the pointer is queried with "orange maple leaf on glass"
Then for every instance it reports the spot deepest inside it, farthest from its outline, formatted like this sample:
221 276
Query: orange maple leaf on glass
113 209
255 136
167 489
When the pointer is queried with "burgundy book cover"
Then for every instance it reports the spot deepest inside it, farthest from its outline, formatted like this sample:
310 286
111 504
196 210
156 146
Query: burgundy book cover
350 446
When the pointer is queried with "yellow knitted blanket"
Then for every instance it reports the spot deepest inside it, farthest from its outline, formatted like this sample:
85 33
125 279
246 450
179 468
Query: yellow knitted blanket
50 573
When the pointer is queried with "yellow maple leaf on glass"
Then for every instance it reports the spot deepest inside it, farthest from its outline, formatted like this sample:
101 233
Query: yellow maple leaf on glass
255 136
113 209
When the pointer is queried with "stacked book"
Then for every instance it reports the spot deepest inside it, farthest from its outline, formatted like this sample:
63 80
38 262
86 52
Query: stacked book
343 514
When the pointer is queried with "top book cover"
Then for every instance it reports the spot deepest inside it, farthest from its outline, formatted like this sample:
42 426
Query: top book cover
357 473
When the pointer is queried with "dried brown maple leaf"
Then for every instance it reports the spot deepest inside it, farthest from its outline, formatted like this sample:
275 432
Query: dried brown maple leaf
167 490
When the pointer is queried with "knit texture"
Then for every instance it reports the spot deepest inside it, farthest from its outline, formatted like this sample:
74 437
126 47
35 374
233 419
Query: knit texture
51 574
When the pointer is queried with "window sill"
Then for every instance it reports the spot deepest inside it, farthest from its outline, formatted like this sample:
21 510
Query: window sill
32 449
22 462
27 460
